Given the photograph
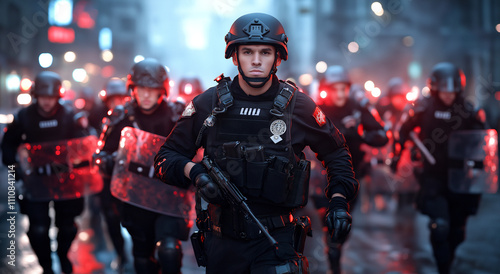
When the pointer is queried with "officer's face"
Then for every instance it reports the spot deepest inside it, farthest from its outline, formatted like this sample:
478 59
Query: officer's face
47 103
256 60
447 97
339 94
147 97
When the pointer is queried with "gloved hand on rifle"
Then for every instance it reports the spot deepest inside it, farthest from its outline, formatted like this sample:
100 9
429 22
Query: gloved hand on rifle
338 219
208 190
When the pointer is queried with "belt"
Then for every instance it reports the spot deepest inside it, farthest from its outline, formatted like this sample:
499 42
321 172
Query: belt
247 230
275 222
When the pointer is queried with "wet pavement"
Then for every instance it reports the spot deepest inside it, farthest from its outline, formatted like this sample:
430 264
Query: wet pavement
387 237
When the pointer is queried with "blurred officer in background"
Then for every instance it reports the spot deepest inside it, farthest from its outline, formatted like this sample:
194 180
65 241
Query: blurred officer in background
45 120
156 237
350 113
440 115
115 94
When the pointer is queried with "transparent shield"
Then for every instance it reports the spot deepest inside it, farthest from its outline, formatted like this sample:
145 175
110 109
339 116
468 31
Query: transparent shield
133 178
59 170
473 161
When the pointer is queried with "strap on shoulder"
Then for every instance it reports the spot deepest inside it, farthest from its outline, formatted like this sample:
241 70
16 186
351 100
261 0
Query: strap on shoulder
283 98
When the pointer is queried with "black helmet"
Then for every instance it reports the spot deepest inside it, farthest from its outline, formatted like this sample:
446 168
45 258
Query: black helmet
336 74
446 77
47 83
397 86
148 73
257 28
115 87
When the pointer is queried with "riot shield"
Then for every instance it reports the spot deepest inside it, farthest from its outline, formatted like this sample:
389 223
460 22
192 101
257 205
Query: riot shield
473 161
133 177
59 170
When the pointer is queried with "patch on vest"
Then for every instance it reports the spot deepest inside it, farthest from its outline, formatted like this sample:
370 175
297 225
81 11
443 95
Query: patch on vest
442 115
48 124
250 111
189 110
319 116
278 127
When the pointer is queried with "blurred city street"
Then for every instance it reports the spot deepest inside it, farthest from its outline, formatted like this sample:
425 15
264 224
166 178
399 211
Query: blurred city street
397 79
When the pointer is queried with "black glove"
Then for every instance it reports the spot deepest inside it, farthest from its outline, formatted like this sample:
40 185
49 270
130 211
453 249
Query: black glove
207 189
338 220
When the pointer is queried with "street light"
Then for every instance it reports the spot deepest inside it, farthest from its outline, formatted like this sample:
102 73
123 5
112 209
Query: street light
353 47
377 8
79 75
321 66
107 55
69 56
369 85
12 82
45 60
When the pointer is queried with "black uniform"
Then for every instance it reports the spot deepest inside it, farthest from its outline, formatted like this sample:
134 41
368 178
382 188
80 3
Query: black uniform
30 127
147 227
448 211
265 179
372 132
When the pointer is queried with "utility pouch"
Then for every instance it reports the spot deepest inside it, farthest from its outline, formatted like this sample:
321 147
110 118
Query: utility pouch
234 163
198 242
256 167
278 180
299 192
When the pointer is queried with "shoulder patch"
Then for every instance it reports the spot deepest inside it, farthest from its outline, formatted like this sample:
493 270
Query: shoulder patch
189 110
319 116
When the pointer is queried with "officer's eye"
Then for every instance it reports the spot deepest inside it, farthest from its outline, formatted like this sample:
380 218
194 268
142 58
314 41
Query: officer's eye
266 52
247 52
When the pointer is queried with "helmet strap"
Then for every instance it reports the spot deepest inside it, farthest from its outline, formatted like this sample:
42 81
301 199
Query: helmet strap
261 80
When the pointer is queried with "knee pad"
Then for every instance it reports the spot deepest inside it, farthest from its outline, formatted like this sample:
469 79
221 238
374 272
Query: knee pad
440 229
169 255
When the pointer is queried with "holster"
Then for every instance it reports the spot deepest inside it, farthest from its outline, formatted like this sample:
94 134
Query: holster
302 230
198 242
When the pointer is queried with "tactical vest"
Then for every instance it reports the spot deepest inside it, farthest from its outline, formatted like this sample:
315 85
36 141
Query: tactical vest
252 143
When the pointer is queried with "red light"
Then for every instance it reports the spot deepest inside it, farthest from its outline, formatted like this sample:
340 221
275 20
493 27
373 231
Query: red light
85 21
61 35
188 88
80 103
497 95
62 91
25 84
463 79
323 94
102 93
107 71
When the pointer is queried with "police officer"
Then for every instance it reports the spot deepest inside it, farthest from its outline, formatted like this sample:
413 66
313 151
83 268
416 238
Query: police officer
43 121
156 237
356 123
444 112
255 128
392 106
115 94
